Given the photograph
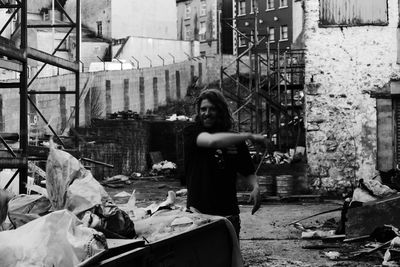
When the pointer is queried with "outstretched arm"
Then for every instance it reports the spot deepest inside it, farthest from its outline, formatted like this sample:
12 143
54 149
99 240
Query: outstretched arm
220 140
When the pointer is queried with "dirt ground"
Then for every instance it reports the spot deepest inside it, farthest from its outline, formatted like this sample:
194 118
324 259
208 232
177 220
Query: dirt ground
265 238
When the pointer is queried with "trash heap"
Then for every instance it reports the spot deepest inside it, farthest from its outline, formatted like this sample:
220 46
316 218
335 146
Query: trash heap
279 158
368 228
71 222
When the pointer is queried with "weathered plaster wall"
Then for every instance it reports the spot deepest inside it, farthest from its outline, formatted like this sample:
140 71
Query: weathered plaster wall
342 65
93 11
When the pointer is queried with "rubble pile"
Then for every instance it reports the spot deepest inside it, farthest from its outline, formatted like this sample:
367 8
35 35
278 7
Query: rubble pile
368 229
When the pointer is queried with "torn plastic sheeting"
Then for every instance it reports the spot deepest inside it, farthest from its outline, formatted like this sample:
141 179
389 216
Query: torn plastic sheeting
70 186
57 239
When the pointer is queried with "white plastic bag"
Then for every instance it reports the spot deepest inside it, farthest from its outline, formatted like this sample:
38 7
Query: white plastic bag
69 185
57 239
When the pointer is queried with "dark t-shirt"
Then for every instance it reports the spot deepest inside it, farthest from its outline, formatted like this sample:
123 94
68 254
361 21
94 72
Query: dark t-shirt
211 174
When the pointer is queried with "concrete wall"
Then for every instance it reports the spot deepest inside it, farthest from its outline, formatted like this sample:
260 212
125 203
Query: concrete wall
118 91
342 66
141 47
150 18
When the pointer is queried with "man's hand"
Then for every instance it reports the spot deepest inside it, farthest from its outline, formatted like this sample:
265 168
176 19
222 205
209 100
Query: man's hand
255 196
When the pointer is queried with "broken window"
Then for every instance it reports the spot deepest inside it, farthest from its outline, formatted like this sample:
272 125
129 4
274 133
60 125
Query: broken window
353 12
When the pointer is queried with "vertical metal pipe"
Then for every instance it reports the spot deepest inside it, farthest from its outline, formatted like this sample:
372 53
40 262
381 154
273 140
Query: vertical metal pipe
219 26
238 104
278 81
268 106
256 70
77 74
23 121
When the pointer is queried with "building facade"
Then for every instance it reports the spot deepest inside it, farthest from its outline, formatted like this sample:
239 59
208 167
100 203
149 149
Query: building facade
121 18
351 91
280 23
198 20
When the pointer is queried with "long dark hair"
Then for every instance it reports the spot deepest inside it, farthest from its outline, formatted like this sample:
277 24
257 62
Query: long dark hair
224 117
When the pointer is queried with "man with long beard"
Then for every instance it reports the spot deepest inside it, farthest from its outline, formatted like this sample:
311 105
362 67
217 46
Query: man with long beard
213 157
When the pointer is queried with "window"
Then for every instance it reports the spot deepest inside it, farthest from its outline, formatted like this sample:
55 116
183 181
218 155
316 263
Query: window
242 7
271 34
203 8
270 4
188 32
202 31
187 11
242 41
283 3
353 13
99 29
284 33
251 6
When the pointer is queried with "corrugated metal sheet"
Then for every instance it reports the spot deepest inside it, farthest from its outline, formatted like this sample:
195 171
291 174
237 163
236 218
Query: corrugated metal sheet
353 12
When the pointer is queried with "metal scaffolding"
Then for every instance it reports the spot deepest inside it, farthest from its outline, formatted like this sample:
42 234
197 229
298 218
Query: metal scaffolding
16 59
266 102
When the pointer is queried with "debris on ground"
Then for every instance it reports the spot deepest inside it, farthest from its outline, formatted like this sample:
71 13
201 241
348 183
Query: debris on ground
368 226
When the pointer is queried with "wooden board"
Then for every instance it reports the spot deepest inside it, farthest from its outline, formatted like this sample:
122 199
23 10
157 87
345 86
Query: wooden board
364 220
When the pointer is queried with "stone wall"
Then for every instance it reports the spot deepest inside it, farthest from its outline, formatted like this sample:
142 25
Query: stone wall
344 64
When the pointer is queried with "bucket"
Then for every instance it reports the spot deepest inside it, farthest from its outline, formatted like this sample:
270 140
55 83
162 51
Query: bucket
284 185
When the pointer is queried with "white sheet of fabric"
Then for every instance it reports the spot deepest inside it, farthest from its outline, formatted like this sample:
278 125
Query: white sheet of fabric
57 239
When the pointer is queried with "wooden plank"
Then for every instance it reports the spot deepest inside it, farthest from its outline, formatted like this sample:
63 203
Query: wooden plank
364 220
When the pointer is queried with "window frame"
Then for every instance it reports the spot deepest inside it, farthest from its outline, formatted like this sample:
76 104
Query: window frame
268 7
203 8
188 36
281 31
202 35
271 35
283 6
188 11
99 28
244 43
240 8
